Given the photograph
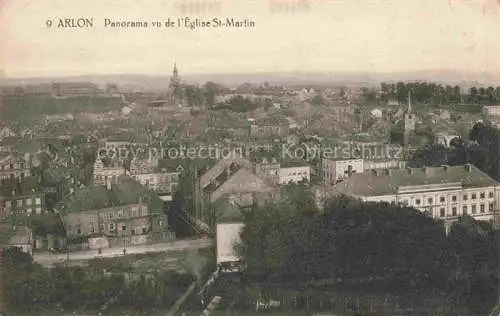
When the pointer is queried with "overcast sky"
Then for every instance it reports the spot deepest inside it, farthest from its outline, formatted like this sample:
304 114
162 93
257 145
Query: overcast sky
335 35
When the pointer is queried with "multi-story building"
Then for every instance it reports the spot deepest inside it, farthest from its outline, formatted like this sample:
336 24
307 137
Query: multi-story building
102 174
14 167
269 170
335 170
120 209
445 192
22 198
492 111
158 182
143 166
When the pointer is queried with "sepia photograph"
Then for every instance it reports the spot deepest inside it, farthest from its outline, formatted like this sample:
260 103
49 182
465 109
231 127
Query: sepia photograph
250 157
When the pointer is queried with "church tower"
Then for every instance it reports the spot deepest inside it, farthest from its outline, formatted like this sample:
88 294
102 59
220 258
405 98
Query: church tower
174 88
409 121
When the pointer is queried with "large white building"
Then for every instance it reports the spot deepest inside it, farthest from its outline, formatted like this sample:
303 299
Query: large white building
445 192
337 170
159 182
493 110
102 174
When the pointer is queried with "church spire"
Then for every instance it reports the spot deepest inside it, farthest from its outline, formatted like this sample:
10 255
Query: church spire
176 73
409 101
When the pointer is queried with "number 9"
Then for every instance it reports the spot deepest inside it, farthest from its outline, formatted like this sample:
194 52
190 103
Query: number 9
48 23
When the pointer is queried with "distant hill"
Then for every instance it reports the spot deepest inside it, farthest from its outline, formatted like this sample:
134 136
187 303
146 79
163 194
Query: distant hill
157 83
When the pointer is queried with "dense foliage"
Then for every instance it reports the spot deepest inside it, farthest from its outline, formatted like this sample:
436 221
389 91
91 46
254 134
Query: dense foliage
430 92
482 149
238 104
27 287
388 248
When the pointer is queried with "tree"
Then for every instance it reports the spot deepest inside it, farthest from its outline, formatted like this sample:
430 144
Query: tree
486 155
14 287
474 96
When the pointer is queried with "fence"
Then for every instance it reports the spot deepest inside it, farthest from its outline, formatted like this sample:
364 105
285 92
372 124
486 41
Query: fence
321 300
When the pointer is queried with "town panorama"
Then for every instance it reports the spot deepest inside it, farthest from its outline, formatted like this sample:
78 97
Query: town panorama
270 197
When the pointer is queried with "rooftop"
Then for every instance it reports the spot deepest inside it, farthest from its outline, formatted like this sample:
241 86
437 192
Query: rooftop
125 191
10 188
385 182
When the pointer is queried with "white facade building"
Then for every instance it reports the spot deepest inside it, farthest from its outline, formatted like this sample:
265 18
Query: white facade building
337 170
441 192
294 174
228 235
492 110
165 182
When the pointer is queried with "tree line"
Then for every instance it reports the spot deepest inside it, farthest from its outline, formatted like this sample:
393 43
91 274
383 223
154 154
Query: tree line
430 92
482 149
27 287
377 247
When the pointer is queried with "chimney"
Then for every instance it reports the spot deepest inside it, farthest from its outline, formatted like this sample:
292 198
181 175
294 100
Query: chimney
468 167
445 168
410 170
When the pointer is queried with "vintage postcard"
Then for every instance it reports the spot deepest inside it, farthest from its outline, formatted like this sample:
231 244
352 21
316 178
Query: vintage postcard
248 157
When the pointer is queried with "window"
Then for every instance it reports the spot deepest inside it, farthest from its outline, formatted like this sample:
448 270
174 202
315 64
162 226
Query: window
78 231
92 230
160 222
453 198
454 211
144 230
442 212
430 201
19 203
8 204
490 194
474 196
481 208
405 202
417 201
124 228
490 207
28 202
465 197
38 201
482 195
474 208
464 210
442 199
38 210
101 227
111 227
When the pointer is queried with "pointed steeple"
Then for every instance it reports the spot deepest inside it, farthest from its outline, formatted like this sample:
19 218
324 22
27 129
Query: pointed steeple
176 73
409 101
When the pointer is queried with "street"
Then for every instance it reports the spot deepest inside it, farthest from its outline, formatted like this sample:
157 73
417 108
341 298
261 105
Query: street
48 259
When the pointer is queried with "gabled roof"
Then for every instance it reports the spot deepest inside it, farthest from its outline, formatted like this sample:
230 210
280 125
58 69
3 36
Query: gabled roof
383 183
242 181
125 191
220 167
